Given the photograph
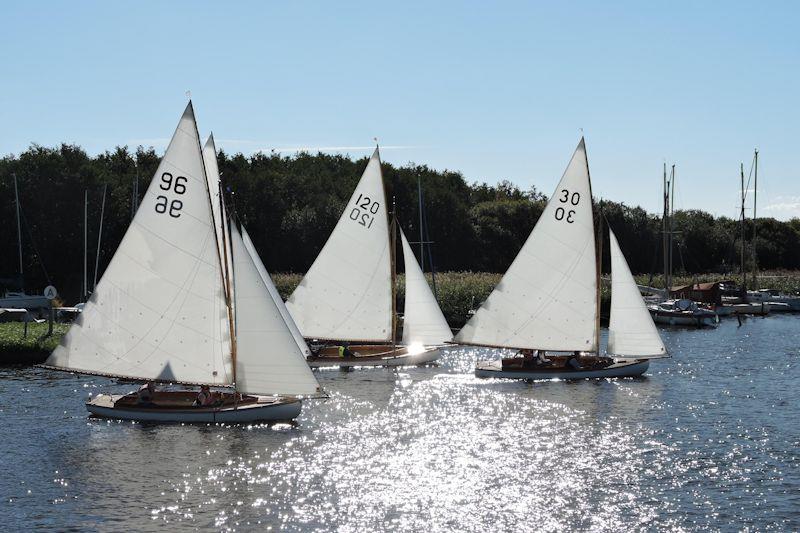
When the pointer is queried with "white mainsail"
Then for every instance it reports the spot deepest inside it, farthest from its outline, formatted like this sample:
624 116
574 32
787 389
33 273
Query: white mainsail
631 331
273 292
220 215
423 321
347 292
268 358
547 298
159 311
212 174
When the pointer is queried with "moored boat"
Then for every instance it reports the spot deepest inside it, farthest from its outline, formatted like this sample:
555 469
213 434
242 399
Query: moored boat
682 312
547 305
168 309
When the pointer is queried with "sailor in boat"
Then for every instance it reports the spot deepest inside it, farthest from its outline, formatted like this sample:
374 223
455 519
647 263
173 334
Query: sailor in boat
145 394
206 398
345 351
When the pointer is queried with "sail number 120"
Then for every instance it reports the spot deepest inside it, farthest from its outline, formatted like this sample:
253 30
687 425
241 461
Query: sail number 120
569 199
364 211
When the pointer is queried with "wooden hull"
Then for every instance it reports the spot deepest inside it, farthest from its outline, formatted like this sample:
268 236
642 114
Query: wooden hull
373 355
619 369
178 409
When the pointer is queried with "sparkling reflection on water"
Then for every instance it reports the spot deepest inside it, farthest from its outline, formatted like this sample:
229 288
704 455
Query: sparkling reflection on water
710 439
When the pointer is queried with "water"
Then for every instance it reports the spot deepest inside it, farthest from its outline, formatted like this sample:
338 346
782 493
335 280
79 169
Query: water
709 440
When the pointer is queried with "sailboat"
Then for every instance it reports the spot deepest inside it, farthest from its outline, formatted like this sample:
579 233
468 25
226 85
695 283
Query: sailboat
345 304
547 304
163 309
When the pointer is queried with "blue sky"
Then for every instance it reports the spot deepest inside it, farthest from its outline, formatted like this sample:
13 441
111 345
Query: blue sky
496 90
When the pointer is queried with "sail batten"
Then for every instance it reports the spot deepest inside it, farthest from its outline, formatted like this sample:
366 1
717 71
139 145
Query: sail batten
631 331
423 321
547 298
162 288
347 292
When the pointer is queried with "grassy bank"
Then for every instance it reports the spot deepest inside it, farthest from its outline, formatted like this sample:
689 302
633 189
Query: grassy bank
17 348
458 293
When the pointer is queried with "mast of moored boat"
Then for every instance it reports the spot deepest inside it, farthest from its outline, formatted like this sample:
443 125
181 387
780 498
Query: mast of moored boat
755 193
85 288
742 221
99 236
19 232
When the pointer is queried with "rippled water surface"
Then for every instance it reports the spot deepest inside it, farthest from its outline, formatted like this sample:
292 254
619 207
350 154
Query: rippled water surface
710 439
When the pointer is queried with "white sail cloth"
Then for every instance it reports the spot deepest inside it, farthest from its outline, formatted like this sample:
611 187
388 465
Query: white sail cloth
631 331
159 311
423 321
347 292
273 292
268 357
547 299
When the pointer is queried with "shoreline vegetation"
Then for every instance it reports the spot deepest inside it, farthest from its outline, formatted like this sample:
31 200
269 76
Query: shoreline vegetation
458 293
290 205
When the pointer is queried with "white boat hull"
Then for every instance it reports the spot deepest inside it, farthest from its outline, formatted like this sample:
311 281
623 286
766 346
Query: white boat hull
402 359
265 409
620 369
670 319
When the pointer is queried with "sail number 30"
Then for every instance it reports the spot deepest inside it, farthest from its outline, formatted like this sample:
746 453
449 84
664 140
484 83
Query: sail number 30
364 211
569 199
176 185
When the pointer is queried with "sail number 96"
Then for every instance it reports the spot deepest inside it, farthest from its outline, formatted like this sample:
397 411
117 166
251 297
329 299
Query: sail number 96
569 200
176 185
364 211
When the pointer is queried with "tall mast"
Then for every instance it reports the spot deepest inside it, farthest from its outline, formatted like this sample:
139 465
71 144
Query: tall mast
755 193
19 230
664 230
85 288
741 219
421 236
393 255
671 222
225 273
99 237
599 255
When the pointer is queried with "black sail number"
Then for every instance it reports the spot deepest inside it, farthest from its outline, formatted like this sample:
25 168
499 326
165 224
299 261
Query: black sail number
176 184
365 210
570 199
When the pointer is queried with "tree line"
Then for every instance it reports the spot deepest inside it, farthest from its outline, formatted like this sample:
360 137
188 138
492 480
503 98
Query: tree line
290 204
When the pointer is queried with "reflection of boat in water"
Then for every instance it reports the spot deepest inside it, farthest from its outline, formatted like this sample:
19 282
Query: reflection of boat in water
682 312
167 309
547 305
345 304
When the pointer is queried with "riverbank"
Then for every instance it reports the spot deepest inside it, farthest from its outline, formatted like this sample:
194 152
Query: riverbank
458 294
17 348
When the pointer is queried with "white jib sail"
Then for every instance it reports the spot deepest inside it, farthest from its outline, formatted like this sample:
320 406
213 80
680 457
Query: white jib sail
423 321
273 292
268 359
547 298
159 311
347 292
631 331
